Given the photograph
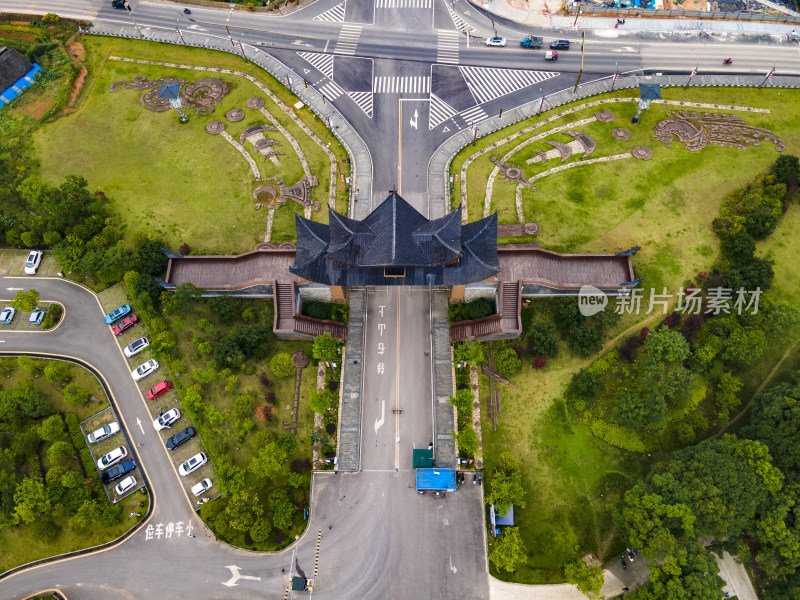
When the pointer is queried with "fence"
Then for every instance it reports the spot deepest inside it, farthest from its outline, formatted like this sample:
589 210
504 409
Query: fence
684 14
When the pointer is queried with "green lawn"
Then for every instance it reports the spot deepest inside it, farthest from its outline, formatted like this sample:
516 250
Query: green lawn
666 204
176 180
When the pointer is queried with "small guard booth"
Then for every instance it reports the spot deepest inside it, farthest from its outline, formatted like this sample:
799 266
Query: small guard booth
436 480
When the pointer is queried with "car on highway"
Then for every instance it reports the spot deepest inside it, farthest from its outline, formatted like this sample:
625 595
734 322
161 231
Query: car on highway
202 486
7 315
181 437
118 4
167 419
116 314
32 262
144 370
136 346
112 458
125 485
496 41
125 324
159 389
36 317
118 471
194 463
105 431
559 45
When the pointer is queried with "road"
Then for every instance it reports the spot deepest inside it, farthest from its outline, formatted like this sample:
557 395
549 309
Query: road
401 73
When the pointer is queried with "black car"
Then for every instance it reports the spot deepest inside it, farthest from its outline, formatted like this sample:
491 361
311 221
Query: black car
118 471
181 437
118 4
559 45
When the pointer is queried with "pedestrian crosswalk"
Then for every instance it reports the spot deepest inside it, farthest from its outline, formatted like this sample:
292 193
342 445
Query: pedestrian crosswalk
460 24
440 111
331 91
321 62
447 47
401 85
473 115
403 3
487 83
332 15
363 100
348 39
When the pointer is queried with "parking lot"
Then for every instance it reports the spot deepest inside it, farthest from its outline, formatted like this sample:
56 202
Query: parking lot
21 321
111 299
12 262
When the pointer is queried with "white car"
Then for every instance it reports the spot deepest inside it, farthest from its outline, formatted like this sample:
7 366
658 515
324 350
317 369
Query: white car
144 370
167 419
125 485
199 488
496 41
36 317
112 458
32 262
136 346
194 463
7 315
102 433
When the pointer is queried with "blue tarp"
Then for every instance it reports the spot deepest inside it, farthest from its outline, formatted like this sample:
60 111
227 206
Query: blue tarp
436 480
506 519
19 86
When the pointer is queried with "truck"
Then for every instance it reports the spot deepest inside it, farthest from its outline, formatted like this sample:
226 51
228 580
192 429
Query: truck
531 41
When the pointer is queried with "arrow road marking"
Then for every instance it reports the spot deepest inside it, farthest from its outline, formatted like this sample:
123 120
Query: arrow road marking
413 122
379 422
14 289
236 577
139 423
452 567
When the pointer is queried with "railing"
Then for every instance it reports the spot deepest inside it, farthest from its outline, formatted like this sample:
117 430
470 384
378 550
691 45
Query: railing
464 330
691 14
311 326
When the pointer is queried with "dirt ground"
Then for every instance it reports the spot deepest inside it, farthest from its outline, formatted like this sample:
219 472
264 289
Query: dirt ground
77 53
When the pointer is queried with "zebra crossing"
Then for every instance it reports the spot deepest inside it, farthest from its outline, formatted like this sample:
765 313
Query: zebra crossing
439 112
460 23
363 100
473 115
332 15
348 39
321 62
488 83
403 3
401 85
447 47
331 91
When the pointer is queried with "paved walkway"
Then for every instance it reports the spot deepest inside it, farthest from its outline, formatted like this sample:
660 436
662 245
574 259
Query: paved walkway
737 582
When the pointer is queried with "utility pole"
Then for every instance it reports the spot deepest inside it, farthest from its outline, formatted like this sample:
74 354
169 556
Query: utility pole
578 80
578 16
230 14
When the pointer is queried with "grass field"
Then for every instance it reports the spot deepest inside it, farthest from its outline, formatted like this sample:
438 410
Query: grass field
666 204
17 546
177 180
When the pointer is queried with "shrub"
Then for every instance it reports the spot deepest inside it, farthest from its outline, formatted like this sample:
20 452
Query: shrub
508 363
300 465
317 310
271 397
543 340
281 365
644 332
184 249
325 348
539 362
320 402
224 307
264 380
76 394
477 309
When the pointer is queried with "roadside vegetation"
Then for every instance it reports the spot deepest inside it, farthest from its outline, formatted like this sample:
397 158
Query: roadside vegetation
51 498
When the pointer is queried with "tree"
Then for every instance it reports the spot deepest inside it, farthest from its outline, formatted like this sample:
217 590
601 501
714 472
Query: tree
226 308
269 464
320 402
787 169
508 550
76 394
467 440
693 572
27 363
260 531
507 362
739 247
463 400
60 452
86 516
634 410
31 501
761 224
665 345
587 578
325 347
281 365
244 406
55 371
470 352
725 396
543 340
505 485
72 480
282 509
26 301
243 510
32 402
228 353
52 428
150 257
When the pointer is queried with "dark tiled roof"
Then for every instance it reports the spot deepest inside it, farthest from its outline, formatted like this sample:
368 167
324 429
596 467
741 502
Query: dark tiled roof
12 66
395 235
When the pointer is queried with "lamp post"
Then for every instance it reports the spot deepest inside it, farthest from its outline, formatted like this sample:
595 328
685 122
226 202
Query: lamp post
230 14
178 27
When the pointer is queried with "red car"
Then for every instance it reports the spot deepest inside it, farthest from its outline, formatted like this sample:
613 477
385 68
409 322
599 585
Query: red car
158 389
124 324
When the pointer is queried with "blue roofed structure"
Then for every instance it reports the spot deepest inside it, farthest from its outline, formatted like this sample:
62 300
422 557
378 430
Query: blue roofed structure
436 480
16 75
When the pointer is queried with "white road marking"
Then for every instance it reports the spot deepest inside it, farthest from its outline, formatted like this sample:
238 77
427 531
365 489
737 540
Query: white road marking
452 567
14 289
236 577
379 422
139 423
413 121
